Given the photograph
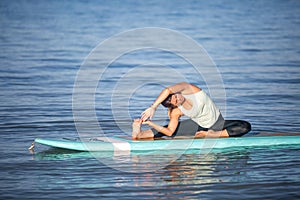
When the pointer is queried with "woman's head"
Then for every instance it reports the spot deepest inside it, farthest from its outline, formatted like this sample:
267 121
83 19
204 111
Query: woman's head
167 102
173 100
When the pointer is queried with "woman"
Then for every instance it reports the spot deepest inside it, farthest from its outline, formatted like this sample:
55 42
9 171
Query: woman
189 100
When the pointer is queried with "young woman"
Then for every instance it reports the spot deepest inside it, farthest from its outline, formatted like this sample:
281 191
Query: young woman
189 100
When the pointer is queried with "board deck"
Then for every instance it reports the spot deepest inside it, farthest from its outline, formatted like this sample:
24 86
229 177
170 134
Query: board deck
114 144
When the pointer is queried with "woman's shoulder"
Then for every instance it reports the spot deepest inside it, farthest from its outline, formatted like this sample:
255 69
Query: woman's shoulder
175 112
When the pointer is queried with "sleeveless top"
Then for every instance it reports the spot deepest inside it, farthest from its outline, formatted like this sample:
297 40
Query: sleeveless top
204 112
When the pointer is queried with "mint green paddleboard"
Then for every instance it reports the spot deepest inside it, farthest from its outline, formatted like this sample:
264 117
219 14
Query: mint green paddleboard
118 144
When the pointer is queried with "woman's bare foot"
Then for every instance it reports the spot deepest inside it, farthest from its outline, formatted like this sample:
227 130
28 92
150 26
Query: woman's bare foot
136 128
212 134
201 134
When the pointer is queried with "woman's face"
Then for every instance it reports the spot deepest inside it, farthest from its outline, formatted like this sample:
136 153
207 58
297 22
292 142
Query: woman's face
177 99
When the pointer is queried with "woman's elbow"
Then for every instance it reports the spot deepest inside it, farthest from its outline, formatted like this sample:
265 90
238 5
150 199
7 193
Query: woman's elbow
167 91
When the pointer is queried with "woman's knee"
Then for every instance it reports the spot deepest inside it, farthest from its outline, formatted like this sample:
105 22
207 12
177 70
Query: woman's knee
247 126
238 128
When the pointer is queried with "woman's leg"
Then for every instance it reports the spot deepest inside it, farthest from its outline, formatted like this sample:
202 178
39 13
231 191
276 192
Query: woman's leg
185 128
237 128
216 131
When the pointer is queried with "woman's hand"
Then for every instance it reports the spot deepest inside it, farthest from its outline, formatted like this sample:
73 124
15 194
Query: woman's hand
148 114
147 122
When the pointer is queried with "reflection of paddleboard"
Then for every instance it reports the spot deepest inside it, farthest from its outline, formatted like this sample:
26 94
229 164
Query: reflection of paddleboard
114 144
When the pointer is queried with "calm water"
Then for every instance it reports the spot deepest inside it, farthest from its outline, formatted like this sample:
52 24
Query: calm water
255 45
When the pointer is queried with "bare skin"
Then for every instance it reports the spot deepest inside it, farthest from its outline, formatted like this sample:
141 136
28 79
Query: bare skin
211 134
137 133
174 114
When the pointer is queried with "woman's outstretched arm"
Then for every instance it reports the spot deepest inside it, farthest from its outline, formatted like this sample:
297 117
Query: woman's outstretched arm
183 87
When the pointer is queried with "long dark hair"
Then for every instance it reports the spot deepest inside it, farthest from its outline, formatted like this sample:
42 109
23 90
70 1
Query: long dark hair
167 102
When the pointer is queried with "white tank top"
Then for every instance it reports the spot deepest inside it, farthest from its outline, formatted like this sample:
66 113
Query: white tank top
204 112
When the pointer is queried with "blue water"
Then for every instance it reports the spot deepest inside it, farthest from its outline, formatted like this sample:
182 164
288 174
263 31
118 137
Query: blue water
254 44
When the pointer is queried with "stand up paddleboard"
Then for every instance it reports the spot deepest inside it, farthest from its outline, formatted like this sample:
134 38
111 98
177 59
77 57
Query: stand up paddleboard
120 144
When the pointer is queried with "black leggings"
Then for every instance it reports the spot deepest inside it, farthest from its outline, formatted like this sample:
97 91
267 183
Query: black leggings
235 128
